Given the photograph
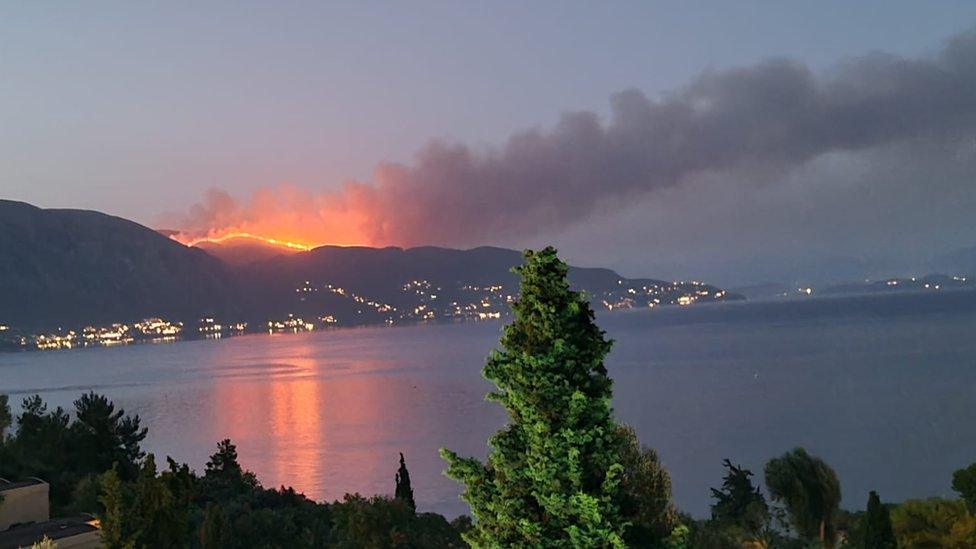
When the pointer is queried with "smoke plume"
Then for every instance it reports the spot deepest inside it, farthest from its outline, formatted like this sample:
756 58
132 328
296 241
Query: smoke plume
760 122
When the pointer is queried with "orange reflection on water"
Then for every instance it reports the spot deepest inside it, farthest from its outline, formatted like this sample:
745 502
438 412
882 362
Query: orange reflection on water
294 415
324 427
272 412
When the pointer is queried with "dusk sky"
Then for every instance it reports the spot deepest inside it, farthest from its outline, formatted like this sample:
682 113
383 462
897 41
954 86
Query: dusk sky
732 141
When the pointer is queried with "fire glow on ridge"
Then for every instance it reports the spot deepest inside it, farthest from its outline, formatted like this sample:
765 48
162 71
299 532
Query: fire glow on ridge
230 236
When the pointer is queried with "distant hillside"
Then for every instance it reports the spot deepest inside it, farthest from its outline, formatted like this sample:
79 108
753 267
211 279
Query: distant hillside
65 266
768 290
73 267
242 251
392 284
932 282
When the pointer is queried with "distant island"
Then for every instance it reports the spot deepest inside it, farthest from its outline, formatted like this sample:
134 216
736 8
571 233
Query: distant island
74 277
931 282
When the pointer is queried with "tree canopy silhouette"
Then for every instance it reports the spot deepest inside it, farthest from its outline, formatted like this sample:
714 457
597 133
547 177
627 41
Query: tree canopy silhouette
403 490
810 490
877 533
553 475
738 503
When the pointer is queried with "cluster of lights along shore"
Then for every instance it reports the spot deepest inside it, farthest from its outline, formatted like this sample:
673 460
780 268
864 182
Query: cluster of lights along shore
417 301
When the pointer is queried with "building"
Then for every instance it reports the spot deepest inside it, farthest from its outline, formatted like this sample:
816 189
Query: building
25 518
23 502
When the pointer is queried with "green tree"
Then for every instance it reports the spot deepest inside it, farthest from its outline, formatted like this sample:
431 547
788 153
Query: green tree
809 489
403 490
964 483
159 519
381 522
85 495
43 447
553 474
877 532
105 436
215 531
142 513
224 477
5 417
647 502
5 420
738 503
115 530
934 522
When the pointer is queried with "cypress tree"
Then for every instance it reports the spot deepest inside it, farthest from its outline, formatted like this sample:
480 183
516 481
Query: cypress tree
878 533
552 478
403 490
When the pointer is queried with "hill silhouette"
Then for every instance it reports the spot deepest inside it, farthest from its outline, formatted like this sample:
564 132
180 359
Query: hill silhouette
67 266
62 267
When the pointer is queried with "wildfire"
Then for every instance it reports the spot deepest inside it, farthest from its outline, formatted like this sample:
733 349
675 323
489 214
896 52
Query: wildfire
284 216
230 236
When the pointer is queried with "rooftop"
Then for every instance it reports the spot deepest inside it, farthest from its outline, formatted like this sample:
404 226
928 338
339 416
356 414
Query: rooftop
25 536
8 485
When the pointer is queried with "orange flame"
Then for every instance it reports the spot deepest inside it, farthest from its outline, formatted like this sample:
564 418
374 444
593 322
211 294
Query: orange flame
284 215
229 236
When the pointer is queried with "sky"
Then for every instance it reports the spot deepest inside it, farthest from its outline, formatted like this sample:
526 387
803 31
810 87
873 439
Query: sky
734 142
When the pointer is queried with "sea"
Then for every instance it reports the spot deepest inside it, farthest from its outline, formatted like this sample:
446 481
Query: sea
881 387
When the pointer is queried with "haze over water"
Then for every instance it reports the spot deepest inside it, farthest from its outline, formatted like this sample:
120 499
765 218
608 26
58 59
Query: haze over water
881 388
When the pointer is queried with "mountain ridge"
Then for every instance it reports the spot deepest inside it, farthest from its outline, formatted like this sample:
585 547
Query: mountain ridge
67 266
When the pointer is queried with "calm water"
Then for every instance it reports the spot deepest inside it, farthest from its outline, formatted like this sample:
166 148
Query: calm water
882 388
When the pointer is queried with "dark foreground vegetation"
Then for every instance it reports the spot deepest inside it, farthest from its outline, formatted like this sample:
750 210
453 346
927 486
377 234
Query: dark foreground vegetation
562 473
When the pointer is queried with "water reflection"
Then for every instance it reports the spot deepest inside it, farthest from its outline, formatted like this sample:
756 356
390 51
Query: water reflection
886 400
332 420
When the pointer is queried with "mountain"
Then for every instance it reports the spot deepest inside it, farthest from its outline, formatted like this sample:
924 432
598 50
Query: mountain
75 266
72 268
367 285
766 290
243 251
932 282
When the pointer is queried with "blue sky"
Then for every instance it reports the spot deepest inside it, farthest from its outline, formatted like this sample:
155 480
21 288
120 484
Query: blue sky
135 108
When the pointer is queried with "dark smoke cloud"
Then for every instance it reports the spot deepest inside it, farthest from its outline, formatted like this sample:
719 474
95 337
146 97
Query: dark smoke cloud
759 123
776 115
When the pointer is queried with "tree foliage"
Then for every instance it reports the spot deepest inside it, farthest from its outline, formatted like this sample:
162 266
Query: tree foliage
215 531
964 483
143 513
49 445
646 485
809 489
404 491
389 522
140 506
738 503
553 475
876 531
934 522
114 526
5 417
104 436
